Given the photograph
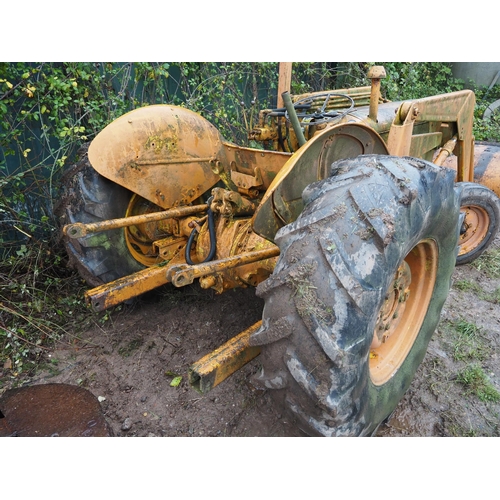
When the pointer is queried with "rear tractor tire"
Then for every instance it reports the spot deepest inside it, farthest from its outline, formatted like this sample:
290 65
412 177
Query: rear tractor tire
481 209
89 197
357 292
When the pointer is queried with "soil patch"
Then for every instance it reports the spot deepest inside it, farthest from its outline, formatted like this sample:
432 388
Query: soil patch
132 362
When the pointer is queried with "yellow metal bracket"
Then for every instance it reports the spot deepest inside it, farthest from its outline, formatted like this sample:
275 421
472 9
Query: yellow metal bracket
216 366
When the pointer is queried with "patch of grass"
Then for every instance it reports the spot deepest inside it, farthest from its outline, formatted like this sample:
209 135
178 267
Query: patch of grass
493 297
489 263
467 341
477 383
473 287
467 286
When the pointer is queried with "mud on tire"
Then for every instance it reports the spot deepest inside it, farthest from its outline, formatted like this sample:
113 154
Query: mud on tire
88 197
342 284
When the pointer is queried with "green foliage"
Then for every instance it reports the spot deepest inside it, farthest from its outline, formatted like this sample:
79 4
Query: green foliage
46 110
489 263
473 287
414 80
467 286
39 301
487 129
476 382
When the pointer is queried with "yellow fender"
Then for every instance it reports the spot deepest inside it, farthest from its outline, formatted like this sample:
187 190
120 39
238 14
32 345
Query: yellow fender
163 153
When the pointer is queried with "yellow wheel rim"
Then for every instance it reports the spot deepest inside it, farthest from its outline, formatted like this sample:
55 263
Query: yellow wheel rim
476 225
403 312
140 238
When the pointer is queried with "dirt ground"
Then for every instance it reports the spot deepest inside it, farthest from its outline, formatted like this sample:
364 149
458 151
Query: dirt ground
130 361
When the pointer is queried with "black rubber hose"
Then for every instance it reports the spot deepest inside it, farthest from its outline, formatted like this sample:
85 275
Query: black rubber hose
213 242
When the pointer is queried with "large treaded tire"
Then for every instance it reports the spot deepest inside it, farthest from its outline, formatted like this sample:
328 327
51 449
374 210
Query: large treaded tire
481 207
87 197
336 270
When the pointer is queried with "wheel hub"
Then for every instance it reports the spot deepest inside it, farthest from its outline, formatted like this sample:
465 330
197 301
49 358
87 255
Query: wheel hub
474 229
402 314
394 306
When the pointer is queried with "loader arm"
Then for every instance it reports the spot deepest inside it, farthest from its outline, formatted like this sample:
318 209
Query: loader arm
448 115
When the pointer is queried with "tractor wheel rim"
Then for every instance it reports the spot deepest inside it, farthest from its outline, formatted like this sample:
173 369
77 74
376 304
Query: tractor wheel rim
476 225
139 238
403 312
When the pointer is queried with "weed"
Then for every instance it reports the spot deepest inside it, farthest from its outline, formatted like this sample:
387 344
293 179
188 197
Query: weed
489 263
476 382
39 302
467 286
471 286
467 341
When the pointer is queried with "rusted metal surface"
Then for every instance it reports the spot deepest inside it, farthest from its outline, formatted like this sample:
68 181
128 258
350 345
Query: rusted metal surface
215 367
408 298
282 202
486 165
122 289
78 230
248 167
230 203
393 309
163 153
51 410
375 74
243 258
185 275
447 115
235 236
476 225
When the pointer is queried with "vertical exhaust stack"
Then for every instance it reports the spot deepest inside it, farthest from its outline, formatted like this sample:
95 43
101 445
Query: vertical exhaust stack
375 74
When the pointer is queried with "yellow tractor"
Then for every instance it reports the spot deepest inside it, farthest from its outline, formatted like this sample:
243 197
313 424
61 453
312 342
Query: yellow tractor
347 221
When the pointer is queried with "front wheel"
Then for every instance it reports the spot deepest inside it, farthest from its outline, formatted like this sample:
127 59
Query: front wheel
357 292
481 210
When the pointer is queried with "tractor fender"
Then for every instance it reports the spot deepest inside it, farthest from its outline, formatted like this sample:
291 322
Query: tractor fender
283 203
163 153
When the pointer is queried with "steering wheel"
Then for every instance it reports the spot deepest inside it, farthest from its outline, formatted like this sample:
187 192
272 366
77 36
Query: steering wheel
317 117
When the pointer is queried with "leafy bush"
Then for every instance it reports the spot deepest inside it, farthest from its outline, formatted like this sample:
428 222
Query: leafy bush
487 129
417 80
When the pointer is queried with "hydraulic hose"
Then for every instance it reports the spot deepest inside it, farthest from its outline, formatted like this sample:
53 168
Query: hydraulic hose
213 242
